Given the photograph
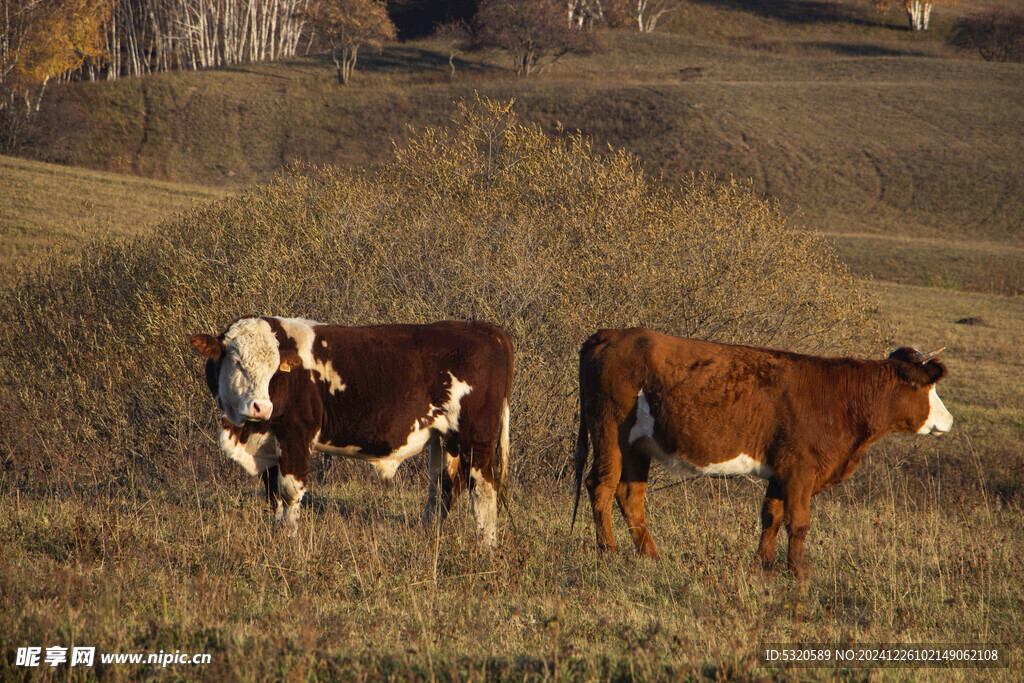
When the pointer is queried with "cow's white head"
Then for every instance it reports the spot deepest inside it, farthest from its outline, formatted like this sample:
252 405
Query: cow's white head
240 364
921 373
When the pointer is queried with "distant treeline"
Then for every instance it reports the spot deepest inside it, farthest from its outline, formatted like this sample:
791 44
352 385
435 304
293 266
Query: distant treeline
143 36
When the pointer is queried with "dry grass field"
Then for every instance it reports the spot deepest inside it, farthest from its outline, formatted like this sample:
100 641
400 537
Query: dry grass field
365 593
838 115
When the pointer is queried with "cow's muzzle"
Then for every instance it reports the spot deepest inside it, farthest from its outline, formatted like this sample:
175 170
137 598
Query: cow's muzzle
258 411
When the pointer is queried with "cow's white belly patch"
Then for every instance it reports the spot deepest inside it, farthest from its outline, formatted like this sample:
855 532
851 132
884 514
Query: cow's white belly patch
258 453
388 464
741 464
641 436
644 426
414 444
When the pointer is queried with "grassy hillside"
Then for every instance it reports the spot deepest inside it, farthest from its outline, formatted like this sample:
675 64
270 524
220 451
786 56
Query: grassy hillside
980 333
47 206
857 127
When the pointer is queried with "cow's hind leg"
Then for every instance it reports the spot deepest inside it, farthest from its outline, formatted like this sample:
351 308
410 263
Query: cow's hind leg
771 520
442 471
483 493
602 483
630 495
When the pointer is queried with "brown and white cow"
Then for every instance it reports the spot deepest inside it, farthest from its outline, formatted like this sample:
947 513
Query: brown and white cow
381 394
801 422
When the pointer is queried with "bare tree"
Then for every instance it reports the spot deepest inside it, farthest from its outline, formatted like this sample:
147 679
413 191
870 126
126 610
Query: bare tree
347 25
997 35
533 32
455 36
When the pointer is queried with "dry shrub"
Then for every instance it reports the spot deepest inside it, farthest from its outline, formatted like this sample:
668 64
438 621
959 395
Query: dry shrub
997 35
487 219
534 33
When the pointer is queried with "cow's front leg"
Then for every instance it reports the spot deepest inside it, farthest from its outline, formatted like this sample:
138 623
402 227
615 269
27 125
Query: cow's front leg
797 506
291 481
292 490
271 488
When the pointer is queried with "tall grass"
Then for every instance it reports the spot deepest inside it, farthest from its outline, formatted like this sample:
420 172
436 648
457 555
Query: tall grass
365 593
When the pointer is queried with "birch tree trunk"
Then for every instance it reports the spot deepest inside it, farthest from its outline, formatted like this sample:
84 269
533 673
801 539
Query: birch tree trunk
346 63
351 55
648 12
918 13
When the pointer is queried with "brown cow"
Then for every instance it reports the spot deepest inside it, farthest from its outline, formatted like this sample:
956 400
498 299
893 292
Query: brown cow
380 394
801 422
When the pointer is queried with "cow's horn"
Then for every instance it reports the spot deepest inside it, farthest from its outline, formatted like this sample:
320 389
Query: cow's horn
925 357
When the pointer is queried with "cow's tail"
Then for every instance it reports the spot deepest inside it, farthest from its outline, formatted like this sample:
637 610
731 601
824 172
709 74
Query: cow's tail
502 460
503 449
582 445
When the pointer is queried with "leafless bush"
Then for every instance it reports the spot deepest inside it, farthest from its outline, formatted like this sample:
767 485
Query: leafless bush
998 36
534 33
487 219
456 37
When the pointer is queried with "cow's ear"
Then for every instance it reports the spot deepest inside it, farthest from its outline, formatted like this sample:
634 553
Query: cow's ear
934 370
207 346
921 375
289 361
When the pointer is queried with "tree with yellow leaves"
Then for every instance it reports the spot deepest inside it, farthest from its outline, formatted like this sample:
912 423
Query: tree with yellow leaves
39 40
348 25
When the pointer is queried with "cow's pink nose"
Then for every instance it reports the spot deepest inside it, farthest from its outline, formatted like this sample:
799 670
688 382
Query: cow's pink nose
262 411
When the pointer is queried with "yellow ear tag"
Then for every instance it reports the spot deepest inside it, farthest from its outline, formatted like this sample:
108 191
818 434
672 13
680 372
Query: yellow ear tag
285 367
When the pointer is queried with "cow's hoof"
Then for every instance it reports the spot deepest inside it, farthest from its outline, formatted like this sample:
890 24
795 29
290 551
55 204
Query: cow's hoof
800 574
283 528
